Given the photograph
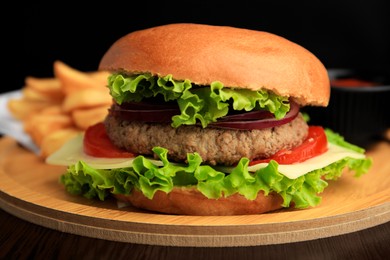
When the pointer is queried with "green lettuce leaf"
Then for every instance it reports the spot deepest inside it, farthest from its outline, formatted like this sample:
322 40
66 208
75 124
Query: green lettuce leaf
198 104
360 167
302 192
337 139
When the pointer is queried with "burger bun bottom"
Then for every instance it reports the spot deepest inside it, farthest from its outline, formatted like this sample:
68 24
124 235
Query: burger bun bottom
189 201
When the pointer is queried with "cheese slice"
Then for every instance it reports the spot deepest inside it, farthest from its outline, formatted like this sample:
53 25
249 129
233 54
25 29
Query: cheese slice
72 152
293 171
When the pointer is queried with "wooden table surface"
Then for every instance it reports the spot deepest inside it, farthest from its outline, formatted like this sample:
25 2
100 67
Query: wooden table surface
21 239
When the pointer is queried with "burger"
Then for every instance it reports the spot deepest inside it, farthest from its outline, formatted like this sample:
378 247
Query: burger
207 120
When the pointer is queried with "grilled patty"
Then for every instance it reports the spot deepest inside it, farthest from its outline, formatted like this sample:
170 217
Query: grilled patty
215 146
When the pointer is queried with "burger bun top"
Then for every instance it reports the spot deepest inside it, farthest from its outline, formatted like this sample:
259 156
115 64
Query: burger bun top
237 57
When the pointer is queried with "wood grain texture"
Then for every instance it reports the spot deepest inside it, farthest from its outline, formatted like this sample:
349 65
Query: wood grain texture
30 189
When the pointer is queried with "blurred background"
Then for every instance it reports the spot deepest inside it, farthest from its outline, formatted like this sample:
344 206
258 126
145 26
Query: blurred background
342 34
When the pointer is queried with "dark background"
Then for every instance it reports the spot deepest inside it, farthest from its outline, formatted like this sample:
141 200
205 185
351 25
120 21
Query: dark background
343 34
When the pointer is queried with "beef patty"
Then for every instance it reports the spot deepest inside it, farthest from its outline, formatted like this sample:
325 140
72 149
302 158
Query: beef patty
215 146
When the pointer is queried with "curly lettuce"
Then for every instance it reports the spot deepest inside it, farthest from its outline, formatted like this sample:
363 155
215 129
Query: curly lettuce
149 178
204 104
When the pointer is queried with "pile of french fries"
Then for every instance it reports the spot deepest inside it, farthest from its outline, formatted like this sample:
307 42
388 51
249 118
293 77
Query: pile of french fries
54 110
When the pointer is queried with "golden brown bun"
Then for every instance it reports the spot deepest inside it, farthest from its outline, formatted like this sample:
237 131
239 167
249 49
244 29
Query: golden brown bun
239 58
189 201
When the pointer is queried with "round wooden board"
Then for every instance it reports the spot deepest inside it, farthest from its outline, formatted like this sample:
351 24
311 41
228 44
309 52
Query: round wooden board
29 189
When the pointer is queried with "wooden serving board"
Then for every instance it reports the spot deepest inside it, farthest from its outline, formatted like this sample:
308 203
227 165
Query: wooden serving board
30 189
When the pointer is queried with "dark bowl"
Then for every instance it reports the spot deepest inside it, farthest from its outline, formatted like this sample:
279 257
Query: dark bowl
359 106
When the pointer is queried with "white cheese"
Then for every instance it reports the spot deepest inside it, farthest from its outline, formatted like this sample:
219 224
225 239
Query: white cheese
72 152
293 171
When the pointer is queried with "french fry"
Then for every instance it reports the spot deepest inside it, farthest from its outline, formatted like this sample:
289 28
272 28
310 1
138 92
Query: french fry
86 98
22 108
49 88
31 94
43 84
73 80
34 95
83 118
55 140
100 76
41 125
53 110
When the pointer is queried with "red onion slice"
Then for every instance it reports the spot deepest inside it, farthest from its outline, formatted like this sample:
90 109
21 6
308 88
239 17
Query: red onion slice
251 115
260 123
147 106
163 113
145 113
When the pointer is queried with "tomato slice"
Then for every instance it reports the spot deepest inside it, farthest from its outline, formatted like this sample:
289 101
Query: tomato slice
315 144
97 144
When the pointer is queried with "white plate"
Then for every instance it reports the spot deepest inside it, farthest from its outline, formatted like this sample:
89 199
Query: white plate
11 126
